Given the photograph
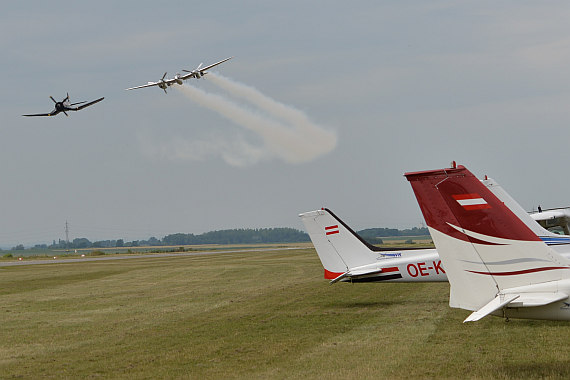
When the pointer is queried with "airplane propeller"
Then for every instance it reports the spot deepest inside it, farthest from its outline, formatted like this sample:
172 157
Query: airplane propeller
163 84
197 73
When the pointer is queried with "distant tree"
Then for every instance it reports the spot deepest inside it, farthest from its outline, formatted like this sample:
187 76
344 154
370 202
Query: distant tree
374 240
19 247
153 241
120 243
81 243
103 244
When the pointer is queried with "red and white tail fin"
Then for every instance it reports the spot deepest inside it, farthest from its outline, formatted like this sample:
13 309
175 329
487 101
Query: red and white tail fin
338 246
521 213
483 245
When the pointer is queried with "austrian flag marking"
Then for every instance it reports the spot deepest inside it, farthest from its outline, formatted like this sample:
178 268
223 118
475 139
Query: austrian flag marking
471 201
331 230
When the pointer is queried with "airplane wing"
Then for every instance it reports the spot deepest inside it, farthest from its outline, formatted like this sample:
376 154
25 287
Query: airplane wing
41 114
202 70
549 214
150 84
87 104
52 113
215 64
189 75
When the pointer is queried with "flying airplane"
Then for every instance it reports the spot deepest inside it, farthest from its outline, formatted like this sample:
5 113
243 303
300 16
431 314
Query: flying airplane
495 263
347 257
200 71
197 73
64 106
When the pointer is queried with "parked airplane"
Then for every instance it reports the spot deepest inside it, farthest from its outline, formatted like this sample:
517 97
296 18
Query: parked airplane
556 219
64 106
180 78
495 263
346 256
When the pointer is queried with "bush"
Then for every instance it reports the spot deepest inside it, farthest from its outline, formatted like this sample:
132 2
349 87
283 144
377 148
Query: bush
97 253
8 255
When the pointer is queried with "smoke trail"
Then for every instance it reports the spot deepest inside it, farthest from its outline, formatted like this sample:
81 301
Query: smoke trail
237 152
280 110
286 133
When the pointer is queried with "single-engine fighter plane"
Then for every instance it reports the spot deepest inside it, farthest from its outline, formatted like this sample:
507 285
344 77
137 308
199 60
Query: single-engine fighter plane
180 78
347 257
64 106
495 263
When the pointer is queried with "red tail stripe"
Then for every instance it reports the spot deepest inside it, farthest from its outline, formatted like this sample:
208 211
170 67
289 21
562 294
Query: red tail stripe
466 196
331 227
333 232
515 273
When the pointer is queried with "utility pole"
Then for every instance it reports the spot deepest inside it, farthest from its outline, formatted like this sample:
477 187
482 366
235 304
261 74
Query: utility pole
66 235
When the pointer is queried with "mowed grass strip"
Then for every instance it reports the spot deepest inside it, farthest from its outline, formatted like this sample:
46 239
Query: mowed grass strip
252 315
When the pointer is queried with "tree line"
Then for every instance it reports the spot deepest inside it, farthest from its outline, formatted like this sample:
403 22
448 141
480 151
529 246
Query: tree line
231 236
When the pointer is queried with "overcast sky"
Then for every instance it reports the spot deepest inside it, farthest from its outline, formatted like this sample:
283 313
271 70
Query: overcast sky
368 90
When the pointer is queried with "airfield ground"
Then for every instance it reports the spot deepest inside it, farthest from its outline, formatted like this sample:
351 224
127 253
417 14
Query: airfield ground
252 315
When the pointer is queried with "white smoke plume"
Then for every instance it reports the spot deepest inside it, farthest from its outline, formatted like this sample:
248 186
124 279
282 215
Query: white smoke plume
285 132
237 152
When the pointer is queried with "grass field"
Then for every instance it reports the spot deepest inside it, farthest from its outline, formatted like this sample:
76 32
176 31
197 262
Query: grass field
252 315
31 253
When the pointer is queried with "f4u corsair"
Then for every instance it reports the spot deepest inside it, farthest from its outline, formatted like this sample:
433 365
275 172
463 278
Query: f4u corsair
64 106
197 73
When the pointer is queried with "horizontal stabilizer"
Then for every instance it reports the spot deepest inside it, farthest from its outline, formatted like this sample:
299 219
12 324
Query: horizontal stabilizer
497 303
538 299
355 273
337 279
516 300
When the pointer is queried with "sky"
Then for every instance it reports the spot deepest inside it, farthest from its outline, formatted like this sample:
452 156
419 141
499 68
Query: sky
321 106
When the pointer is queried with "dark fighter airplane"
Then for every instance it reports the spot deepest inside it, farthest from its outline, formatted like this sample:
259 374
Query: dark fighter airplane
64 106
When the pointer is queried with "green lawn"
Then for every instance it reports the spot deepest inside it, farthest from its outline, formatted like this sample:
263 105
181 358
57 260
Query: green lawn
252 315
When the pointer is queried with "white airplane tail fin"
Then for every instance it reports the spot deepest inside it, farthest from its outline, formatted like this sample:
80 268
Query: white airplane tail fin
338 246
486 249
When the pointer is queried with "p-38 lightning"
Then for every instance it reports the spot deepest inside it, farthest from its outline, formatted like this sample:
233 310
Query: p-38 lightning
65 106
197 73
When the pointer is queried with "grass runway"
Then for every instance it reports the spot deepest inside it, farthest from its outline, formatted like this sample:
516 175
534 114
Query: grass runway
252 315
